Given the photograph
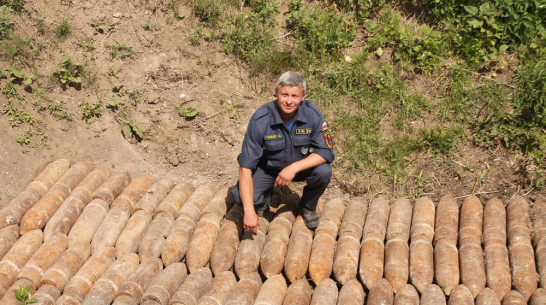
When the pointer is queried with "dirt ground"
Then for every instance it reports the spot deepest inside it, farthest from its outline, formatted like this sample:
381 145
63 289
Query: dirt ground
169 73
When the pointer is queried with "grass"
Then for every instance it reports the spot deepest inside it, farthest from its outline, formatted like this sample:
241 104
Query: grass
391 85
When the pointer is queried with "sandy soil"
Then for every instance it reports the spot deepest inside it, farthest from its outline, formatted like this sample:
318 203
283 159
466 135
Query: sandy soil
169 73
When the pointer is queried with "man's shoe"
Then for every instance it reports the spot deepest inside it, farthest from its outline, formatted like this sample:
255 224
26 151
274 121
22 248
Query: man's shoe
310 218
261 209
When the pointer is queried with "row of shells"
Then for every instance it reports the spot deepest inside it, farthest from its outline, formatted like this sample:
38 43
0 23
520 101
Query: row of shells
84 235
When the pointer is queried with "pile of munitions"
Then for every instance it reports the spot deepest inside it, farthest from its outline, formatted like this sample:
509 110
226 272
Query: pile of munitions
84 235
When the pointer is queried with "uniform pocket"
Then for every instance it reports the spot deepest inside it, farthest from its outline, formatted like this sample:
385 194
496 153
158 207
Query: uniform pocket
302 146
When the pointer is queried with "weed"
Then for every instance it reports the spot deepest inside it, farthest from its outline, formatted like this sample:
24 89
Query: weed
69 72
174 7
195 37
90 110
29 135
188 113
17 117
101 28
134 96
148 26
16 5
251 35
321 32
121 51
59 112
540 183
441 139
6 24
63 30
17 75
88 45
22 49
210 11
10 91
112 104
130 129
113 71
22 295
234 110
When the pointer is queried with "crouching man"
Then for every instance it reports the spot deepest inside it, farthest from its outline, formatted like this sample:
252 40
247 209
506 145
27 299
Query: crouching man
286 140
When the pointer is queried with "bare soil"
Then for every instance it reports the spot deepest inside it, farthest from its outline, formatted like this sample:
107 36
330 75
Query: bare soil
169 73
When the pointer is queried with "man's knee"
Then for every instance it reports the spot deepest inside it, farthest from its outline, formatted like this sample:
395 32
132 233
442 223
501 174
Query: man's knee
323 173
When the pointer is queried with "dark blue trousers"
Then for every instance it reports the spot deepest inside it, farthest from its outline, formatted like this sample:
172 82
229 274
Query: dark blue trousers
317 179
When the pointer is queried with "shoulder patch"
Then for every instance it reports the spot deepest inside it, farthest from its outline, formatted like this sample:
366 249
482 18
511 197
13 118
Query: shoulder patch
324 126
328 139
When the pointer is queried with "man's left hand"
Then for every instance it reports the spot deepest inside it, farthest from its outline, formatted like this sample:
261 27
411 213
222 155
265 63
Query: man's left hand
285 176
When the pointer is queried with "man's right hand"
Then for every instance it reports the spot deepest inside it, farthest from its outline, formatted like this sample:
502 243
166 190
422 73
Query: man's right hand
250 221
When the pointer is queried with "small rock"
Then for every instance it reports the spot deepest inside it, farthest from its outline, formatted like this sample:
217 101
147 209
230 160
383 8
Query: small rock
117 15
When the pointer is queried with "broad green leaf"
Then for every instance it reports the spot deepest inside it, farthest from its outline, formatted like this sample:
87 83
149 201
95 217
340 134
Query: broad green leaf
126 130
16 72
28 79
475 23
188 112
138 131
471 9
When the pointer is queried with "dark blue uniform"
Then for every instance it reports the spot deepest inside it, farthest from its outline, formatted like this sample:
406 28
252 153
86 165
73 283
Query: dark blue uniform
269 146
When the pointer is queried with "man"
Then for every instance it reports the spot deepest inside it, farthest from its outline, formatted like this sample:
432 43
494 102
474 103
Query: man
286 140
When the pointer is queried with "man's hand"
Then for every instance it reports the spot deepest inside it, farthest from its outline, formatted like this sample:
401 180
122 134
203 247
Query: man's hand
250 221
286 175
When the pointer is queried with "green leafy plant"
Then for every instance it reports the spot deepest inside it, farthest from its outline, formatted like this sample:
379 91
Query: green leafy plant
59 112
17 75
195 37
210 11
6 24
112 104
16 5
129 129
22 295
17 116
320 31
234 110
88 45
188 113
90 110
101 28
63 30
121 51
148 26
250 35
69 72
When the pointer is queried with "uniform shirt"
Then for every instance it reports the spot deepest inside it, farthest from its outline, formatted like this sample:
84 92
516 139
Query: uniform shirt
268 143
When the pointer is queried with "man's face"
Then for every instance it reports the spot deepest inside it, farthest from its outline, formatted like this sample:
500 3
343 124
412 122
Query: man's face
289 100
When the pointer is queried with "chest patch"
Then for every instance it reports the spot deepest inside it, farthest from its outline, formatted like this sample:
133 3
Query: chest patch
304 130
272 136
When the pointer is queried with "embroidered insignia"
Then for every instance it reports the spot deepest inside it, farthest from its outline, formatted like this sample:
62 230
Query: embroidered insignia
304 130
304 150
273 136
328 139
324 127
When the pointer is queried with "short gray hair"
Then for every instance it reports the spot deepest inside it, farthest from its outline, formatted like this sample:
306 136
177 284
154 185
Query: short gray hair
292 79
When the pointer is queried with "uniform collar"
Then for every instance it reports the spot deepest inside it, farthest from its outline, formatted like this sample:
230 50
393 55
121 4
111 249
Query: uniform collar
300 113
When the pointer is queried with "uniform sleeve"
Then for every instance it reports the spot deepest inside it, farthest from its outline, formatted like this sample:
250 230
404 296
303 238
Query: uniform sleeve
321 139
252 149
